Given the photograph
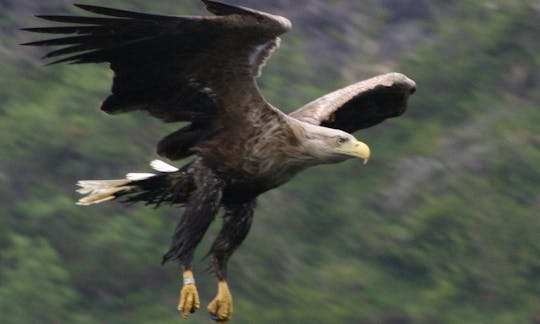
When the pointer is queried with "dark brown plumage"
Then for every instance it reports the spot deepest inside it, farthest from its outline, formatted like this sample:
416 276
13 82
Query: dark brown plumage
203 70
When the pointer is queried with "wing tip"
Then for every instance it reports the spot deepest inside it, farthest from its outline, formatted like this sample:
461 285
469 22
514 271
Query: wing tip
86 7
46 17
105 11
401 79
82 5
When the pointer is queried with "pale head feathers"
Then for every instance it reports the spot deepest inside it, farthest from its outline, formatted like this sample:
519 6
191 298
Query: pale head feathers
321 144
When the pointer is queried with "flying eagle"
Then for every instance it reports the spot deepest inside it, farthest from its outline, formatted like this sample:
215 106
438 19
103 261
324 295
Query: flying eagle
202 70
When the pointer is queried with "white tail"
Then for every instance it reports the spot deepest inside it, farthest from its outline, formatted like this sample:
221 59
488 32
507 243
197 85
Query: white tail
162 166
98 191
139 176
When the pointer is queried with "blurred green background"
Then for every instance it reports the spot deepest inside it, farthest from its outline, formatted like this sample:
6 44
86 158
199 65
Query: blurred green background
442 226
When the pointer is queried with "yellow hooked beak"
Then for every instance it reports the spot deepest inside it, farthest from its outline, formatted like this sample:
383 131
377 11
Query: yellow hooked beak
356 149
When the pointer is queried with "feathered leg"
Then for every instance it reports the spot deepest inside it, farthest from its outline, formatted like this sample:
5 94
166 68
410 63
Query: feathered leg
236 225
201 208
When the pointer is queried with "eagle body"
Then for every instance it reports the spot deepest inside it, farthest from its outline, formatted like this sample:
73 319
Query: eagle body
202 71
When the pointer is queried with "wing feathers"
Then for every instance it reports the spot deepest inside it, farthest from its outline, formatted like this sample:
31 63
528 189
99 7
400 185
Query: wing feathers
279 24
69 50
360 105
82 20
66 30
124 13
108 35
177 68
97 40
223 9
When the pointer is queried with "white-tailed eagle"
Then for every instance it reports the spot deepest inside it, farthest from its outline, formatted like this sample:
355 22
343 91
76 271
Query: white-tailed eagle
202 70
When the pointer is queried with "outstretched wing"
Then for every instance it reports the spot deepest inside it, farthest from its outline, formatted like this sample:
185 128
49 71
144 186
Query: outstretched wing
360 105
178 68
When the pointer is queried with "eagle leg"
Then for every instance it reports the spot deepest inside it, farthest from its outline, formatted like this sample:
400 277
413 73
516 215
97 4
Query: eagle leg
201 208
189 296
236 224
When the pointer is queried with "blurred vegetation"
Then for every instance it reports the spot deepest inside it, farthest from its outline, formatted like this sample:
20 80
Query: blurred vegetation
441 227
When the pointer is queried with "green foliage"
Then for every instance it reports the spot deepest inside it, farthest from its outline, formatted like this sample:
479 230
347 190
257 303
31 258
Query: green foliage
440 227
35 287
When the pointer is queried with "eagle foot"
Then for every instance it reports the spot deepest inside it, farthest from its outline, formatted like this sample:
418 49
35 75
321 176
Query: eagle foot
221 308
189 296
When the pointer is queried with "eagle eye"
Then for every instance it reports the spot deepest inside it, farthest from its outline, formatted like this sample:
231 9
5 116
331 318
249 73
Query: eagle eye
342 140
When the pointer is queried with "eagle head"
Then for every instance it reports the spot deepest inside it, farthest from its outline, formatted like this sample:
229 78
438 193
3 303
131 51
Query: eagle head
329 145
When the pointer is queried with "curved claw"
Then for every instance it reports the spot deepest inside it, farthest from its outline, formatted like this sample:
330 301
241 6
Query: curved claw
221 308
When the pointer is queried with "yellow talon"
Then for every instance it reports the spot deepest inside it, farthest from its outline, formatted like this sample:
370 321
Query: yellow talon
189 296
221 308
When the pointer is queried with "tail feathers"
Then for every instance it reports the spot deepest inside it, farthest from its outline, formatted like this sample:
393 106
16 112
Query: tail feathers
139 176
98 191
169 185
163 166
